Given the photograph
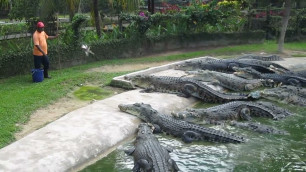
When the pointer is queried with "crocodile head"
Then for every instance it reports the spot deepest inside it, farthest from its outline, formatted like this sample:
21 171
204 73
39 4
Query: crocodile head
141 110
139 80
144 130
246 72
188 65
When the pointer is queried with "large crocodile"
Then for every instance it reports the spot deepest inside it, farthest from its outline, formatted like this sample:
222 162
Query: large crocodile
225 65
236 110
285 94
229 81
257 127
183 87
178 128
286 79
149 154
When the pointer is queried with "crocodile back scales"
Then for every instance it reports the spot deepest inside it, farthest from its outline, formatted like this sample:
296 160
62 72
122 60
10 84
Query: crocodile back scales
178 127
147 147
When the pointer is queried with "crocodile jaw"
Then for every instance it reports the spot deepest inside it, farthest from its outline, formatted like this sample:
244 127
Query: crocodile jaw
133 109
129 108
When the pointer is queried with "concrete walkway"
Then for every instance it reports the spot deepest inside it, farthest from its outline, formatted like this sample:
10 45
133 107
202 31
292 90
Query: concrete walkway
91 132
83 134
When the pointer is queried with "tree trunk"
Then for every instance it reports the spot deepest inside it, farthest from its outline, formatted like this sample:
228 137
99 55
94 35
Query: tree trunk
284 26
151 6
97 21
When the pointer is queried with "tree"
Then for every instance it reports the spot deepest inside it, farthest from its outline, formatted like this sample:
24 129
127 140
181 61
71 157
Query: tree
284 25
73 6
151 6
97 19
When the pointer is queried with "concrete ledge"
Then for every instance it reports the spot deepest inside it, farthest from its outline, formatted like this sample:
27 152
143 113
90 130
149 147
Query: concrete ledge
293 63
122 83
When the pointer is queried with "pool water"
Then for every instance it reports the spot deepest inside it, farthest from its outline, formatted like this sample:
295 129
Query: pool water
261 152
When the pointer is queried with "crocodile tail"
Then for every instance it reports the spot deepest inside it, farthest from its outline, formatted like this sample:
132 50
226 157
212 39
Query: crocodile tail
221 136
218 136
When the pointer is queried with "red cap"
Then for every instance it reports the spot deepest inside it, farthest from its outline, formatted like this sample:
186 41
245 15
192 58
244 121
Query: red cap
40 24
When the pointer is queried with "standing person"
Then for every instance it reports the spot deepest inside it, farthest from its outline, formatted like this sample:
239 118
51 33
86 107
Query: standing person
40 50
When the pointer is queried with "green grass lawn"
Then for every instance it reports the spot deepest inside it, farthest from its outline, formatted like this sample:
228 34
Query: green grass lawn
20 97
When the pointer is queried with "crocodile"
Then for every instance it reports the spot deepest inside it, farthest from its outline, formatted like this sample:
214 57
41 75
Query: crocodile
184 87
301 73
285 94
236 110
285 79
188 132
224 65
230 81
149 154
257 127
272 57
266 64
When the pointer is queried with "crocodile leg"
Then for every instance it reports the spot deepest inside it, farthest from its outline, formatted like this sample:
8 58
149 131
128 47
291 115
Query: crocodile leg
150 89
130 151
294 82
156 129
190 136
143 164
189 89
245 114
173 165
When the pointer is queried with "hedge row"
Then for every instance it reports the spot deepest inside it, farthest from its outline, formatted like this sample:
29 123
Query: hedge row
13 63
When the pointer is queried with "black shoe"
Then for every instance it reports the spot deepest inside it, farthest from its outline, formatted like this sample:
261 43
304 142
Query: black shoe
49 77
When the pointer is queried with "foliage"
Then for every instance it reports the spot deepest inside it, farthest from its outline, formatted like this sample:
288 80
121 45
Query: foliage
72 35
10 29
24 9
125 5
215 16
169 8
140 22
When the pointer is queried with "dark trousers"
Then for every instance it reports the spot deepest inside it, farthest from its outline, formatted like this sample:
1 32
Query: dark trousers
38 60
44 60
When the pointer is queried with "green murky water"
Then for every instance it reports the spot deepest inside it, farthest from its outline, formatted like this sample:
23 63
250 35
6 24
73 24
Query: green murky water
261 152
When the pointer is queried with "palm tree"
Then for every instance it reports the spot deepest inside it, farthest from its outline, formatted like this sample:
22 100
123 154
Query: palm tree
6 3
126 5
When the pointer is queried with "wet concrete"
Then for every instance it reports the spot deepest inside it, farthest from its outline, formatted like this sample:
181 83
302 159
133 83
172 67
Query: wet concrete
83 135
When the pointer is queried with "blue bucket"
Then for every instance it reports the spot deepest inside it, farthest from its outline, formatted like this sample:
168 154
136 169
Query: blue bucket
37 75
